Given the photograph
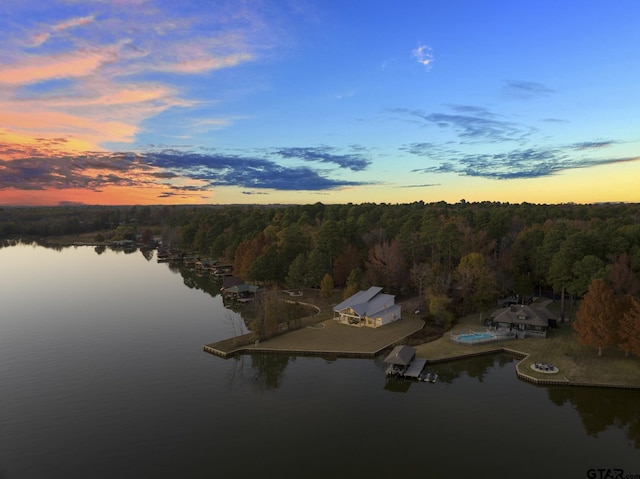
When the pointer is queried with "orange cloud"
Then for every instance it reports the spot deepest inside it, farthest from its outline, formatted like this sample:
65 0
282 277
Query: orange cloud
108 196
206 64
15 146
73 22
35 69
76 128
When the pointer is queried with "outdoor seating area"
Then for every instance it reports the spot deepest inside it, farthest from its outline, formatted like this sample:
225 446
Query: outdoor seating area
545 368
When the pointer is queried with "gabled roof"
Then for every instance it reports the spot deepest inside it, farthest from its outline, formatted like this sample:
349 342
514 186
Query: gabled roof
229 281
367 303
400 355
243 288
520 314
358 298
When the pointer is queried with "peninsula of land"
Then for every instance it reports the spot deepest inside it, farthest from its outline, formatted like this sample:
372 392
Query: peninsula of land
577 365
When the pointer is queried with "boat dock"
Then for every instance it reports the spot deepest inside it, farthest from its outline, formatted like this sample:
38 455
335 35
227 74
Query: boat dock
414 371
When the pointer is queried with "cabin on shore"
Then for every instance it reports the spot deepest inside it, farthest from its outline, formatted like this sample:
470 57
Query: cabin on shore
371 308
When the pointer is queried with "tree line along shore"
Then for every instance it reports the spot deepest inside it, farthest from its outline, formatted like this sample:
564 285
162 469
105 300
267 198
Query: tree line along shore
456 258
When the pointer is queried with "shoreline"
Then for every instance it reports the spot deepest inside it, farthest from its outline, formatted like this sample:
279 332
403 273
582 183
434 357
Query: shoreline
578 366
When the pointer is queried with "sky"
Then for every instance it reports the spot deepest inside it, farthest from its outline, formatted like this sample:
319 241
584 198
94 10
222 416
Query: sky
107 102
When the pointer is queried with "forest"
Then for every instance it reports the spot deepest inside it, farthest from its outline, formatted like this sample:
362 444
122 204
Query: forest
457 258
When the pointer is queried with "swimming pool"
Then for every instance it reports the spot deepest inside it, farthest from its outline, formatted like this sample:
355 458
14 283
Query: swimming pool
473 337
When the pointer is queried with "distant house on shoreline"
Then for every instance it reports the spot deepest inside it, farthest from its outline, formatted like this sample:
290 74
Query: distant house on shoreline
524 320
371 308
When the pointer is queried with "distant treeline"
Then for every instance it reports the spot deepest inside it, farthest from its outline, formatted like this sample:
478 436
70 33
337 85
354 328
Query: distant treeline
462 256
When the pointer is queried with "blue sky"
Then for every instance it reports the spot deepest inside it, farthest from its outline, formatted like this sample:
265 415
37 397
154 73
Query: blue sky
143 101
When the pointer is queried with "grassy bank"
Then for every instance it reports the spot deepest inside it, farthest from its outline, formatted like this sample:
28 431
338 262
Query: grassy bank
577 363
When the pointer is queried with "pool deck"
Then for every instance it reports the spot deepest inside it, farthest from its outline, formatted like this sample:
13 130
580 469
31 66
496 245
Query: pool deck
329 338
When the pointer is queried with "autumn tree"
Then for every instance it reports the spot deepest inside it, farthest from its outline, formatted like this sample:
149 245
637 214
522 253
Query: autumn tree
265 322
386 265
354 283
439 308
326 286
629 329
622 277
345 263
596 317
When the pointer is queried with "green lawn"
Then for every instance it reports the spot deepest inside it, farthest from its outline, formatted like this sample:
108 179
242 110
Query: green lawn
577 363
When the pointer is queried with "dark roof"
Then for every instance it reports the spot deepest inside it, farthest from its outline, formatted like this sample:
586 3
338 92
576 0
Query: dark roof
228 281
400 355
521 314
243 288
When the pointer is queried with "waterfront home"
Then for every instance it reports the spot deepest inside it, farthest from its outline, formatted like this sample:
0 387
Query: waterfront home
524 320
370 308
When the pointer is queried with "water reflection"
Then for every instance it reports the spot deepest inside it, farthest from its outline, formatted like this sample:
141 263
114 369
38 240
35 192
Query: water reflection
448 372
147 253
476 368
601 408
268 371
194 280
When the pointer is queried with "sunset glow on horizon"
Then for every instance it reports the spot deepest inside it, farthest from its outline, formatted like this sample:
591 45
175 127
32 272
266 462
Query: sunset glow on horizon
197 102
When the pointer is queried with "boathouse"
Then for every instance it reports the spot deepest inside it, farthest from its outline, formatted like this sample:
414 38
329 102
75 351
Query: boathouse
370 308
243 293
400 360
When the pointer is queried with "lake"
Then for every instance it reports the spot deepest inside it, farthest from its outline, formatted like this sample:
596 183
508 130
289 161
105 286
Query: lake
103 376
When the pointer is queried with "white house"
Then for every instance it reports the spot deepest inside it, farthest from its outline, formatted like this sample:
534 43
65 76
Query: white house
370 308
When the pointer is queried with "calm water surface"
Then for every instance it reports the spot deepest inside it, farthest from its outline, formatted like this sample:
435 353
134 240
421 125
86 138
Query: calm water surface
102 375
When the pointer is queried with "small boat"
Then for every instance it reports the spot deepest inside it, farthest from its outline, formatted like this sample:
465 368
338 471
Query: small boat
434 377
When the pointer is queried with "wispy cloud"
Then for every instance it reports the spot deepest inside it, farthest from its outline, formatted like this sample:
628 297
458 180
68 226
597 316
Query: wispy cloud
425 185
91 68
470 123
41 37
526 89
517 164
325 154
423 54
593 145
